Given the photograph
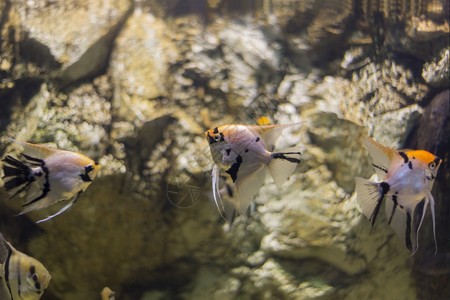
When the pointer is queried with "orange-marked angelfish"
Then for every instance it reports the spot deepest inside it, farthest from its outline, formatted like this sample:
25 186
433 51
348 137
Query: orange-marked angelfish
48 175
24 277
244 152
407 177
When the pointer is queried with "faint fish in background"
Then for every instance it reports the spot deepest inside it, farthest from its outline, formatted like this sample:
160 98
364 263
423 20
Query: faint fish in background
107 294
50 175
24 277
244 152
407 178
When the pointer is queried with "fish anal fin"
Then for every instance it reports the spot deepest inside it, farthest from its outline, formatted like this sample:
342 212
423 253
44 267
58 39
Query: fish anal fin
248 185
63 209
400 222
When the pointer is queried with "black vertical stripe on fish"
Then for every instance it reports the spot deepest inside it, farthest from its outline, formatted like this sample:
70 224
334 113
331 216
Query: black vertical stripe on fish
408 231
410 165
228 151
289 159
6 266
394 199
229 190
404 156
380 168
19 276
216 130
222 137
77 196
87 170
233 170
46 188
384 189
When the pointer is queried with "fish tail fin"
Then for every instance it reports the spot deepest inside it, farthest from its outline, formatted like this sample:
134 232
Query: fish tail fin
18 175
283 163
369 197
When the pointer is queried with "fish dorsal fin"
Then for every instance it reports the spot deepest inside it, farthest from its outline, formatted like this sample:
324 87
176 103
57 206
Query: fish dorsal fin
8 244
381 156
248 183
270 133
36 151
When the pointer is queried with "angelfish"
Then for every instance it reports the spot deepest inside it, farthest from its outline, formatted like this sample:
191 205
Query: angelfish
244 152
24 277
49 175
407 177
107 294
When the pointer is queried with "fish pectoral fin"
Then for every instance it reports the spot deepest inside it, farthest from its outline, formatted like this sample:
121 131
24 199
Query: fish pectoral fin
433 215
283 164
248 185
418 215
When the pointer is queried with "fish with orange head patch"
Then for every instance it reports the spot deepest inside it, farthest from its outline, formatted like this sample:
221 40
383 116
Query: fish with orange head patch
407 178
244 152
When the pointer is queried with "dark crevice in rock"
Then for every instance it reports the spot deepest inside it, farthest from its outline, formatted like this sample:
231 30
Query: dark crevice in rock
95 60
432 271
37 53
18 96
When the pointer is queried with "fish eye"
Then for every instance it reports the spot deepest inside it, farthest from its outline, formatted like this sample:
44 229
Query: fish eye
217 137
432 165
35 277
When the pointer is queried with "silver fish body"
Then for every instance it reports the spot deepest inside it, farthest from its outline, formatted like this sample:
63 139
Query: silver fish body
244 152
407 177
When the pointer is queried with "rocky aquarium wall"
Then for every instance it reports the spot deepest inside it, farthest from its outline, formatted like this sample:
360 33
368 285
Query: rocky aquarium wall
134 84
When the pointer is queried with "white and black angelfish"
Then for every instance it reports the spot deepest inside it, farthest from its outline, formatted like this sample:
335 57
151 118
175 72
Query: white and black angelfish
49 175
24 277
244 152
407 177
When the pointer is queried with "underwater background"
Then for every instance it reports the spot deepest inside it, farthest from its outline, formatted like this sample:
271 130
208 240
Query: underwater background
135 84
